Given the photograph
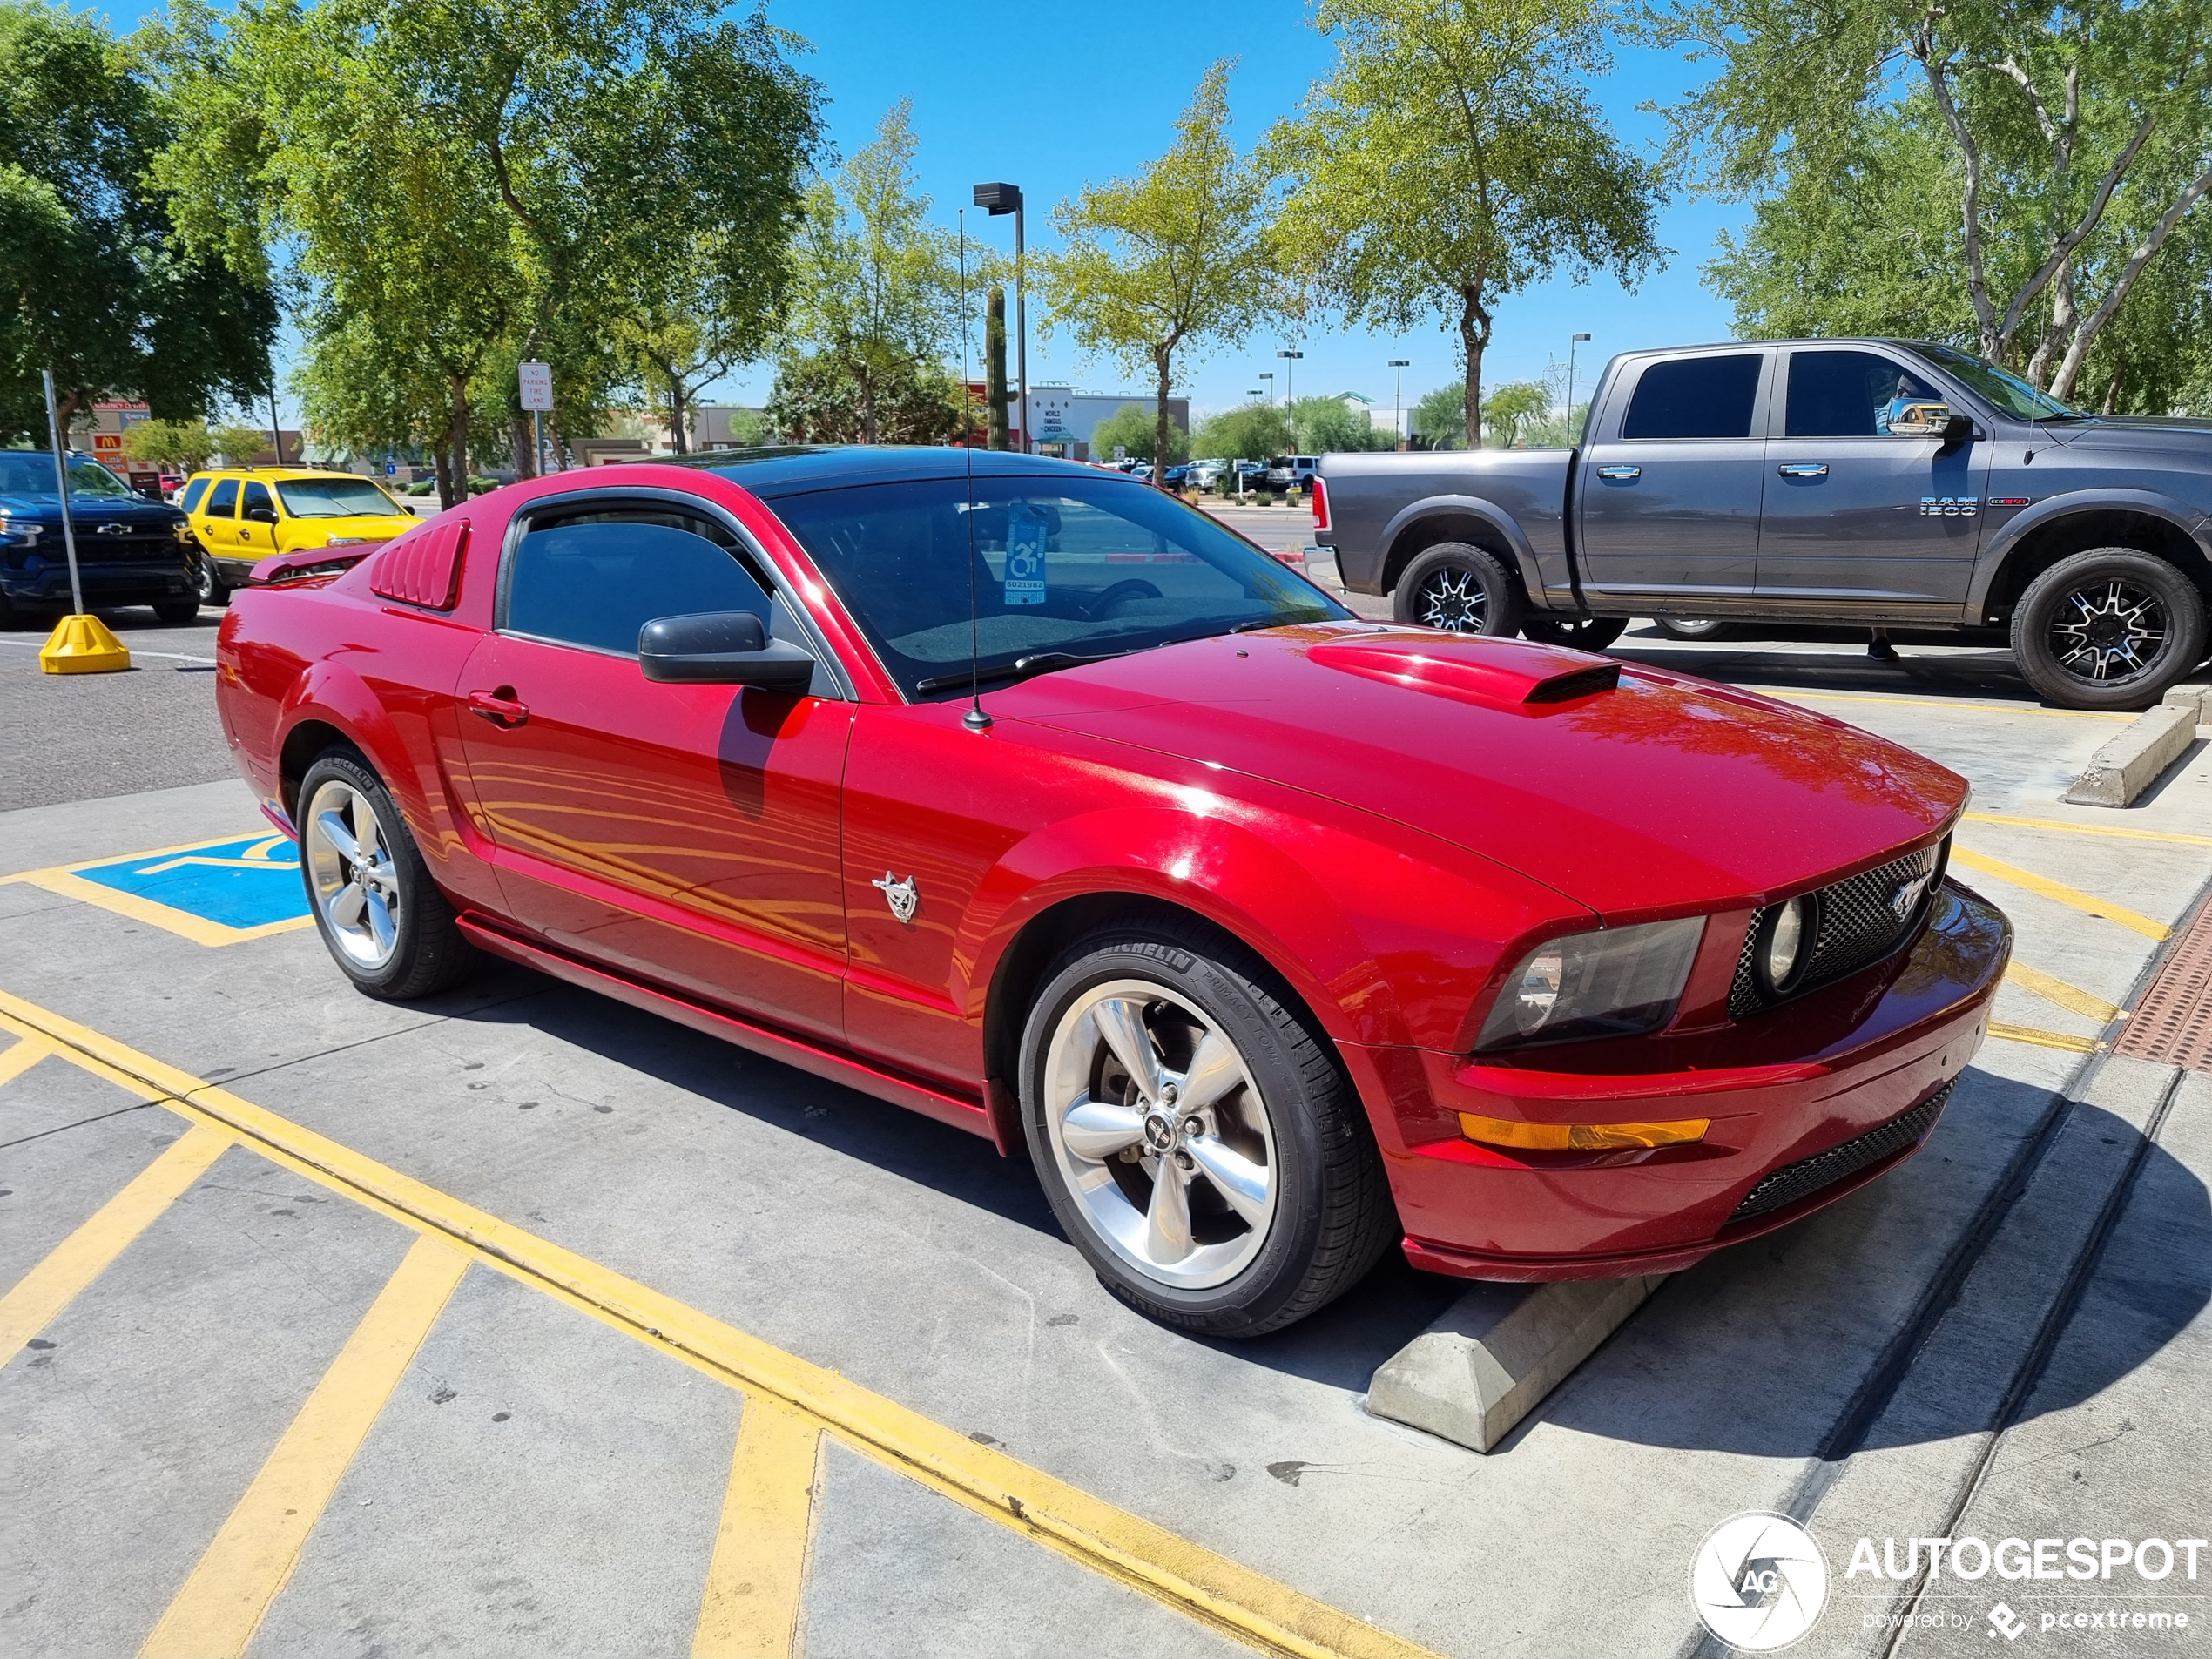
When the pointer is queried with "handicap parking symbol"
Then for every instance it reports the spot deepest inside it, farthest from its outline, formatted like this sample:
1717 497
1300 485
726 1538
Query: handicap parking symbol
232 890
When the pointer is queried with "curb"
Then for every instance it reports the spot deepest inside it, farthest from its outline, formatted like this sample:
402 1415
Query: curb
1489 1358
2131 762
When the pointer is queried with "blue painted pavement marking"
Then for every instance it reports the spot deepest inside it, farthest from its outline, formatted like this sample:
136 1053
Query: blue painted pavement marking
247 883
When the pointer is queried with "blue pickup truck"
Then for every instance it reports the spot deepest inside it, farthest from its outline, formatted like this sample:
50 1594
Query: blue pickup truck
1862 481
129 552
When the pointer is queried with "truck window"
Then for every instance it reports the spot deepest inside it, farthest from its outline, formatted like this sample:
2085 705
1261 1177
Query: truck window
1857 395
1694 397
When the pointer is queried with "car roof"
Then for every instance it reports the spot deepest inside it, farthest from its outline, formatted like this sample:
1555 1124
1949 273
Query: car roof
795 469
280 473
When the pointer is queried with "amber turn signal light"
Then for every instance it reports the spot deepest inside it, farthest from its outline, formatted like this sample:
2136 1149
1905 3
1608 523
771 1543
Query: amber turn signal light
1580 1137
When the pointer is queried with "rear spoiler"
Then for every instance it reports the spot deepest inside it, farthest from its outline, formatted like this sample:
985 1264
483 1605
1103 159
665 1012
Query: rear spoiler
281 568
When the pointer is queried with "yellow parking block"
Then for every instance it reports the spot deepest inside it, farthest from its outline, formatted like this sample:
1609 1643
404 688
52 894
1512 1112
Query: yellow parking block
2059 893
1239 1603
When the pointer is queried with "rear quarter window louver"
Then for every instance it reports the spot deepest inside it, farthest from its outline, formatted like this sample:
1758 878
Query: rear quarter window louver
422 567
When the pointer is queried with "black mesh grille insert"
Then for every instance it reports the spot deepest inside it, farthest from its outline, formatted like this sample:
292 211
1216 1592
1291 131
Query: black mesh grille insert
1856 924
1795 1181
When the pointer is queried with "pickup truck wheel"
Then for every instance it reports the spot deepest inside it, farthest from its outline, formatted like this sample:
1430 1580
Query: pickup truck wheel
1459 588
1196 1137
1579 633
2108 628
1692 627
384 919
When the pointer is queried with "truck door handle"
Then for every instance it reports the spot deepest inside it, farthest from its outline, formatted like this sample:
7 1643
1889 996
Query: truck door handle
1620 472
1803 470
499 707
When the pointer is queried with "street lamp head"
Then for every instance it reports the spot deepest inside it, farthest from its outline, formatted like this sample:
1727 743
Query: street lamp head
1267 373
1578 336
1401 362
1290 354
1000 199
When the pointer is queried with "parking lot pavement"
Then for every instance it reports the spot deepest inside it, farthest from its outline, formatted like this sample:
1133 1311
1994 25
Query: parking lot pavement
520 1322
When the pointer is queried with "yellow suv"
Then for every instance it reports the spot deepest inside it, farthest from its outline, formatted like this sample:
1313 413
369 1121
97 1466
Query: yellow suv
241 515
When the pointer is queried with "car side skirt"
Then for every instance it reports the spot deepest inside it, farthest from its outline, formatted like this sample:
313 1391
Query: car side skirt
792 1051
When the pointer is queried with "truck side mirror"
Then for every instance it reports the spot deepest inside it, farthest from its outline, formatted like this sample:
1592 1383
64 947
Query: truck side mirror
1957 433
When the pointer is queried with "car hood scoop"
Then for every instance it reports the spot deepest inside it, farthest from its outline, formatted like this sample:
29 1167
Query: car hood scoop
1500 673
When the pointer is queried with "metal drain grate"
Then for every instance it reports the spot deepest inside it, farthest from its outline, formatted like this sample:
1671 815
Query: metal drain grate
2173 1024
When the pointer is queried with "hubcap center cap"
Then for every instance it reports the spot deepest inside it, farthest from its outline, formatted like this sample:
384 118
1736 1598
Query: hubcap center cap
1159 1132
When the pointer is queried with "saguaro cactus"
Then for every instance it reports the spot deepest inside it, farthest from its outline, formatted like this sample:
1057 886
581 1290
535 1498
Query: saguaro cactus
994 366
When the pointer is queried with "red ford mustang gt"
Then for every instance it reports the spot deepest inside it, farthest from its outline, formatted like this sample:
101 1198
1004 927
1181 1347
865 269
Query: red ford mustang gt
1022 794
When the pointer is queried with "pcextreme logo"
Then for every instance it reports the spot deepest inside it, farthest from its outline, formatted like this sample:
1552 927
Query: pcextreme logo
1758 1581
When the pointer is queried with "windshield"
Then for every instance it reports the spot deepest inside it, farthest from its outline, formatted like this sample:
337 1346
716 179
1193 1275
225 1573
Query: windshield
335 498
2007 391
1059 566
24 472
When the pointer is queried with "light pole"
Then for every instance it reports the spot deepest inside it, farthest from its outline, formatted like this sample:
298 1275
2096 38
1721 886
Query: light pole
1573 341
1398 400
1268 374
1007 199
1286 395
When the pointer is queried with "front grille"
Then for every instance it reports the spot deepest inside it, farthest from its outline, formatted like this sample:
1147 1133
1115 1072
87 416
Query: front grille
1856 924
1807 1176
97 549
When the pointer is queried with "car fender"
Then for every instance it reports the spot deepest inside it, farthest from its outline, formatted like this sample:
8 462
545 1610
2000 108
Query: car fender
331 694
1229 872
1532 580
2006 542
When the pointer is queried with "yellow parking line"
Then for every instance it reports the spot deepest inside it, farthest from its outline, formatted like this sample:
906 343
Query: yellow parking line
1796 696
2059 893
1209 1588
761 1550
2090 829
81 1257
2058 991
2043 1039
214 1613
118 858
26 1053
200 931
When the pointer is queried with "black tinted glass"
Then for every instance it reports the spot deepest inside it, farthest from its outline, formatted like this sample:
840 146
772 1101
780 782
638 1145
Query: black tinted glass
1085 565
257 495
1694 397
190 500
596 581
1854 394
224 502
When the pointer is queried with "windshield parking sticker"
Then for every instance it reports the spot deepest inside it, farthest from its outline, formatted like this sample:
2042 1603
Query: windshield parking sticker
1025 534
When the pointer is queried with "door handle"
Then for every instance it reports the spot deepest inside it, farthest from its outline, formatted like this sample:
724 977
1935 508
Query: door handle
1620 472
499 707
1803 470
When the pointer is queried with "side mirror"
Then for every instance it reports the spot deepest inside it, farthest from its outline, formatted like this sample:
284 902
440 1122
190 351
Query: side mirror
1957 433
722 648
261 514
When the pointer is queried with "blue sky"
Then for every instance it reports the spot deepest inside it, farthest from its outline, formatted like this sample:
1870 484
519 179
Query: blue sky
1051 97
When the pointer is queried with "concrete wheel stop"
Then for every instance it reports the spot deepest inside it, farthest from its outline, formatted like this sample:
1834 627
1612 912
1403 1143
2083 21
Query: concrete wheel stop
1491 1358
2136 759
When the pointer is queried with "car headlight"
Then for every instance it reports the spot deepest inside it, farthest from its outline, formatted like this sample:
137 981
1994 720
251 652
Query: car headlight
1608 983
1784 945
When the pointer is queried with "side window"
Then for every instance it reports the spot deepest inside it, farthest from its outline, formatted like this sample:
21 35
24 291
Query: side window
1694 397
1858 394
224 502
595 579
190 500
256 503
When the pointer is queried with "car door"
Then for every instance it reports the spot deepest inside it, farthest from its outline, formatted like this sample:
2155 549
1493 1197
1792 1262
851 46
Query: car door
216 525
686 834
1668 491
1865 514
256 521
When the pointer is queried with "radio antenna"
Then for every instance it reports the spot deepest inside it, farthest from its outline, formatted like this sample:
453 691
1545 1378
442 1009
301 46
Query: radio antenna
975 719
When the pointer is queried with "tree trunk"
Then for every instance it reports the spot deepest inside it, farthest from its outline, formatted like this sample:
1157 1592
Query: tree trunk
1160 421
2112 391
518 432
677 435
1475 338
995 368
457 442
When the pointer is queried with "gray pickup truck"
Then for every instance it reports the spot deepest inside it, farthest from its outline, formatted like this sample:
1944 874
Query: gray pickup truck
1861 481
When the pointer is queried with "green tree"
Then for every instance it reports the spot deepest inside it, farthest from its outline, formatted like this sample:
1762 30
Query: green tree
1176 259
875 299
98 286
1329 425
1249 432
2024 165
186 445
1511 412
239 444
833 397
1439 419
1134 427
1454 156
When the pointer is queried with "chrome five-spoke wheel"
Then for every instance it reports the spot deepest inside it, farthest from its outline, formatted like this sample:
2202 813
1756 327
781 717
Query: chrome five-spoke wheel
350 869
1160 1133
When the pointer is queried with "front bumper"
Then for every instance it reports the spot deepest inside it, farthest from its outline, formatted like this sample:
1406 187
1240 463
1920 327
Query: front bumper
139 583
1812 1126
